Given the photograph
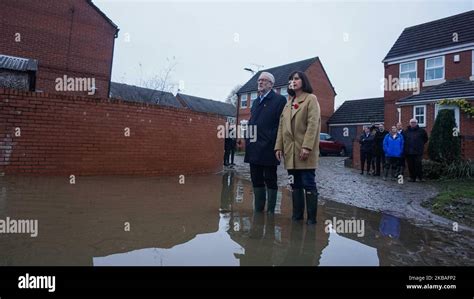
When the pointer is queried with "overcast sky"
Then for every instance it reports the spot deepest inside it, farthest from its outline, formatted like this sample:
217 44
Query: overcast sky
212 41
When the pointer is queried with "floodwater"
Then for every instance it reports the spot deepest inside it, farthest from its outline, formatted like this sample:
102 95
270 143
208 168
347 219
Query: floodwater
207 221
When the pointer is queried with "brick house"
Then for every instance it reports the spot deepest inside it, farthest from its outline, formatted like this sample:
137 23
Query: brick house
71 38
347 123
432 61
319 80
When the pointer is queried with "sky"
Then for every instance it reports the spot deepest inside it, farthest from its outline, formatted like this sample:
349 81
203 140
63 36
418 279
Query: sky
209 43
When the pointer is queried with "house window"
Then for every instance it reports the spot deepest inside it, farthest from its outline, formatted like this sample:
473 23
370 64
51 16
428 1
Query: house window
243 101
253 96
231 120
454 108
419 112
243 127
434 68
408 72
284 91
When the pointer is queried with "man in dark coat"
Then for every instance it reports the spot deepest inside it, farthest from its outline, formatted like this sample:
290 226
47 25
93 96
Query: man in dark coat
366 141
415 139
229 147
265 118
378 148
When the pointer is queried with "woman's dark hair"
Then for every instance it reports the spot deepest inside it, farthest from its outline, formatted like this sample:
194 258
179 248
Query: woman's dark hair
304 79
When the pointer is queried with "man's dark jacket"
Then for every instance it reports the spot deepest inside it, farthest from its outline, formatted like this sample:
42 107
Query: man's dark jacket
266 117
415 139
367 143
379 137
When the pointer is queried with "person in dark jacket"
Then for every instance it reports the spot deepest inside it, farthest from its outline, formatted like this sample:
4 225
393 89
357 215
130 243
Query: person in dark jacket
229 146
393 148
265 117
379 155
415 139
366 141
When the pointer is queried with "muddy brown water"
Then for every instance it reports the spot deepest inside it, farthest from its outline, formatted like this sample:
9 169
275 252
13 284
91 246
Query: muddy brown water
207 221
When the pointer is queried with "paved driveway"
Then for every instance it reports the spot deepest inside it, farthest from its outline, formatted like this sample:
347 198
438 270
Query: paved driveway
346 185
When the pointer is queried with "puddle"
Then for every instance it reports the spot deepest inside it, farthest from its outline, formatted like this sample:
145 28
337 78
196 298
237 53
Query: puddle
208 221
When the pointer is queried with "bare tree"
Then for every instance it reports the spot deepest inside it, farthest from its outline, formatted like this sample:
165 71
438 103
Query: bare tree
161 83
232 97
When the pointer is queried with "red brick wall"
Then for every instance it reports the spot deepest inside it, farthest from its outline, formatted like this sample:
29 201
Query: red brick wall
63 135
461 69
356 148
78 43
391 96
323 90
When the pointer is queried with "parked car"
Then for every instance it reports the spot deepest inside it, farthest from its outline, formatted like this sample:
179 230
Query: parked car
328 145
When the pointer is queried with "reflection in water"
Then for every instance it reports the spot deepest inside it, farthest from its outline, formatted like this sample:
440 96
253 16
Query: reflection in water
227 193
196 252
390 226
207 221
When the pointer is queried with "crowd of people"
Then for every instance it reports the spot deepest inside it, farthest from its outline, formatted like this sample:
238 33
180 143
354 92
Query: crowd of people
393 150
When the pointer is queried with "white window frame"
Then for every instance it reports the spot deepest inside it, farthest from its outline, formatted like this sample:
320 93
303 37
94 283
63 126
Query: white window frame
400 72
231 120
444 68
457 115
424 114
246 101
252 98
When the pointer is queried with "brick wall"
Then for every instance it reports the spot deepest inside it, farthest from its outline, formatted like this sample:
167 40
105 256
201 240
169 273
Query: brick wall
63 135
356 148
323 90
67 37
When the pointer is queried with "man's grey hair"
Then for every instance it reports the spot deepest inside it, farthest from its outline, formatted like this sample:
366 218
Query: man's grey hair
413 120
269 76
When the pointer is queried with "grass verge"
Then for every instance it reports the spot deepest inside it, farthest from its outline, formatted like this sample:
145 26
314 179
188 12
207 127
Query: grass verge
455 201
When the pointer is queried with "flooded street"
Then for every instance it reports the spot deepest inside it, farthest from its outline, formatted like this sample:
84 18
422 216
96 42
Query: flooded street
207 221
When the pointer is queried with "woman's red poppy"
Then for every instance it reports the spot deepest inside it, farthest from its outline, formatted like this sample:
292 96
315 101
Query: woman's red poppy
295 106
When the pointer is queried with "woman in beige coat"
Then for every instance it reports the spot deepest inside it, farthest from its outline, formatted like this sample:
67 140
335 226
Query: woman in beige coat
298 143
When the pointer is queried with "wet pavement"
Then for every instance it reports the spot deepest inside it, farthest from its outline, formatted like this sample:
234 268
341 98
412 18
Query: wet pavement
346 185
207 221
